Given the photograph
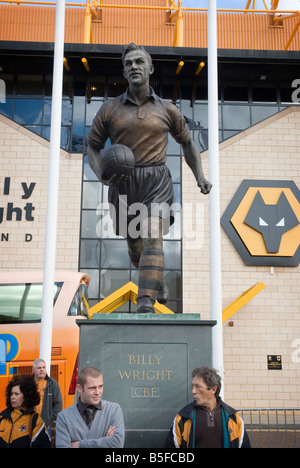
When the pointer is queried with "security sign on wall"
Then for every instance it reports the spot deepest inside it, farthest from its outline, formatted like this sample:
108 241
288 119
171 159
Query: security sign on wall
263 222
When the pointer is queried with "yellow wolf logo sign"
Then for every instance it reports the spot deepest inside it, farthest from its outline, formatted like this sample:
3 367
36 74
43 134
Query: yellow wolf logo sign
263 222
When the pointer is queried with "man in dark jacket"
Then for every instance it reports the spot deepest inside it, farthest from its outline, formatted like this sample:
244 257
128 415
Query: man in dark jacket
208 422
51 400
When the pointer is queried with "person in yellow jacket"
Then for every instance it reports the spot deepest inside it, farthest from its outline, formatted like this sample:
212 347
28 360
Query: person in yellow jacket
208 422
20 425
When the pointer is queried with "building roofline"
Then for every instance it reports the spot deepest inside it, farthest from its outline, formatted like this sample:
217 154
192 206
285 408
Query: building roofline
37 48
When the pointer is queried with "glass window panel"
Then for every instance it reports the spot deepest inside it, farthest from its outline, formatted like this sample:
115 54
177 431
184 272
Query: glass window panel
200 116
172 250
66 115
111 280
174 164
65 138
92 194
236 92
66 112
67 90
35 128
167 88
228 133
236 117
201 139
79 86
78 144
78 129
30 85
175 229
289 93
105 193
104 226
46 132
260 113
90 254
124 308
23 302
78 307
91 110
186 90
264 92
96 87
78 117
200 88
116 86
6 85
186 108
173 281
47 112
174 306
134 276
173 146
114 254
89 223
6 107
48 85
201 93
177 191
88 173
155 83
94 284
28 111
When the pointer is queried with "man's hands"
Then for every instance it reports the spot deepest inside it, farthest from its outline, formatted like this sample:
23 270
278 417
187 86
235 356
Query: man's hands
205 186
110 431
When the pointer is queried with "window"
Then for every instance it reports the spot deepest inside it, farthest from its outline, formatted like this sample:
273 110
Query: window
236 117
30 85
264 92
28 111
78 306
21 303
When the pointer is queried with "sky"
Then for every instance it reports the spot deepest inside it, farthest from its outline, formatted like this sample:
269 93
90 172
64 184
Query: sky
283 4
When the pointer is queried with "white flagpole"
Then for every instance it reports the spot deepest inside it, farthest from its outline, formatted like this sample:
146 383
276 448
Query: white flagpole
214 202
53 184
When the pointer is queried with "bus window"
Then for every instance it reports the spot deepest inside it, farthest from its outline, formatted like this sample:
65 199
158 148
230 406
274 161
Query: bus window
78 306
20 303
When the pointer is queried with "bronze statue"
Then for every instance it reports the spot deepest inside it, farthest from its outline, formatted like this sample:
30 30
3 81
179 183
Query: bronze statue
142 121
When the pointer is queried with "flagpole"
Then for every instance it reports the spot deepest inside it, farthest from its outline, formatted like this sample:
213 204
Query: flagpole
214 201
53 187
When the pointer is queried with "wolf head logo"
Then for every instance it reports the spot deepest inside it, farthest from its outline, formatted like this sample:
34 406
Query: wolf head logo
272 221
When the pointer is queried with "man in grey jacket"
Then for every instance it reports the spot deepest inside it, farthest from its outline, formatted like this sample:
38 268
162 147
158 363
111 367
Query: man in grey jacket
91 422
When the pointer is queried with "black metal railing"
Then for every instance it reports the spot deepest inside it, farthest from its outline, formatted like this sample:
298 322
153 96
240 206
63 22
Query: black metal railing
272 427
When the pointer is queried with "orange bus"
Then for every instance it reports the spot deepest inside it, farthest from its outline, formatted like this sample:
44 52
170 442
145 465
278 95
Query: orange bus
20 322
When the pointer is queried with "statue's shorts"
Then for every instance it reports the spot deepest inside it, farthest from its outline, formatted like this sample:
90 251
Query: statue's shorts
147 193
